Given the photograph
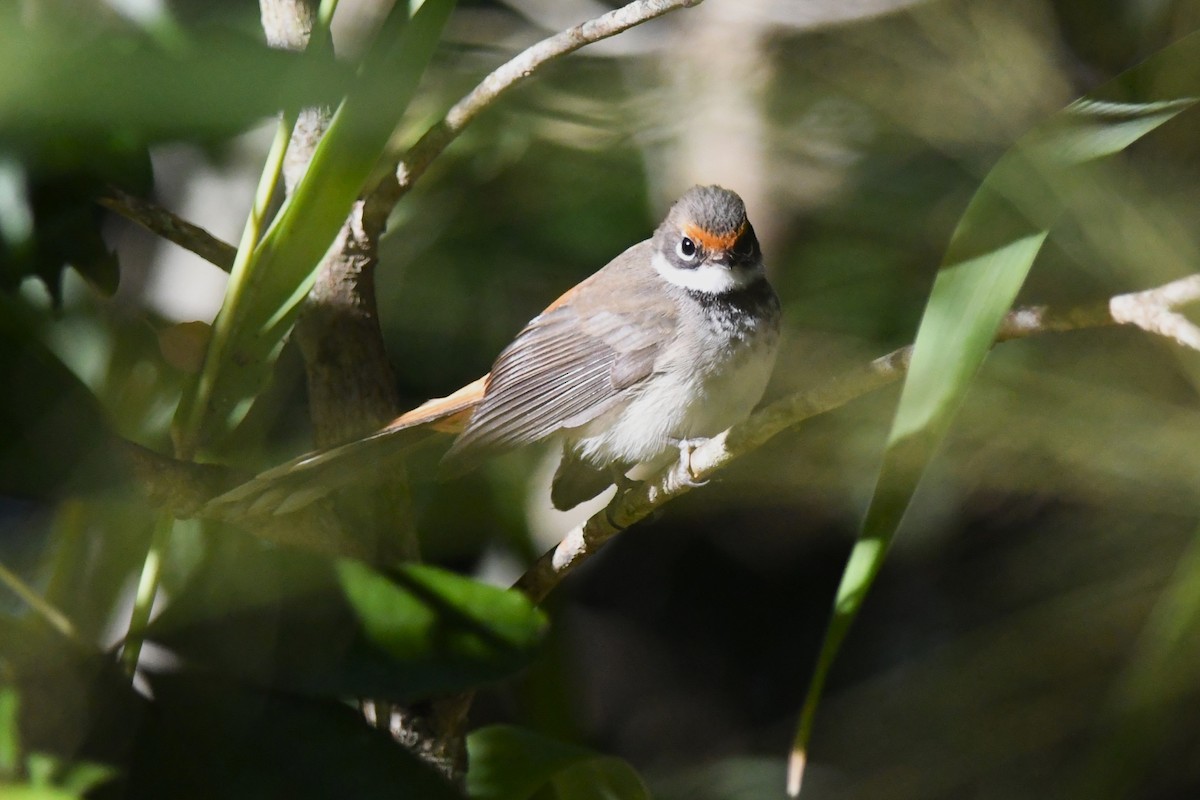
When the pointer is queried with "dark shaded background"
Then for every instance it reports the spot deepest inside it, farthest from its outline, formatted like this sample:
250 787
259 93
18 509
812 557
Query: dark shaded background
1050 547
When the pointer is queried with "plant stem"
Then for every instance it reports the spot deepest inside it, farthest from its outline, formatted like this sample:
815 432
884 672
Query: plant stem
152 565
239 278
147 590
35 601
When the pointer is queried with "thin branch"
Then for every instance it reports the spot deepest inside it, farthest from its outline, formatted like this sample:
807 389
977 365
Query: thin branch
1152 310
170 226
40 606
414 163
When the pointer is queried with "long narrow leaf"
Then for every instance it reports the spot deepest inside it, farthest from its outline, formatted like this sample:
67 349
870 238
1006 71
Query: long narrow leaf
987 261
261 298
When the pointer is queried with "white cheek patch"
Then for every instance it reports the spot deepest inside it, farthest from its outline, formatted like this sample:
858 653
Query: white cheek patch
707 278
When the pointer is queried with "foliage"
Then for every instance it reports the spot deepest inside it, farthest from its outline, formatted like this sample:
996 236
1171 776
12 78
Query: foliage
988 259
1033 629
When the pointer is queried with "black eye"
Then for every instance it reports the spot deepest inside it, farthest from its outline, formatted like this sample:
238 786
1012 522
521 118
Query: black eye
686 249
744 248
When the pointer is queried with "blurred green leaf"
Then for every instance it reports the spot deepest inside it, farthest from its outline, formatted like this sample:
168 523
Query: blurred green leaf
262 296
1147 704
509 763
988 258
80 778
16 217
10 733
28 792
209 738
1090 129
296 621
52 432
51 221
64 96
76 707
80 109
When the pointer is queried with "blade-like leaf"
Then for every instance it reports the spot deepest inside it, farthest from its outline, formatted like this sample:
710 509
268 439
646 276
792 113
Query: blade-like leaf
1150 699
10 734
263 294
299 622
508 763
53 432
28 792
76 706
987 261
60 93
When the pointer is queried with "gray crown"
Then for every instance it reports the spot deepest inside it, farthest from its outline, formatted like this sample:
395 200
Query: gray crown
715 210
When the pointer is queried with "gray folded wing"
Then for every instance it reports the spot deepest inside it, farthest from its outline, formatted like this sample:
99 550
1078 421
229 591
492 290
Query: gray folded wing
566 368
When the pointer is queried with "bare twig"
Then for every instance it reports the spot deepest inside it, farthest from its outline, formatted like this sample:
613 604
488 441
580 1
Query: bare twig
170 226
1152 310
414 163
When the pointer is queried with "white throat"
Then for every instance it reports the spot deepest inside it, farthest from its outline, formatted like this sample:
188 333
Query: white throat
707 278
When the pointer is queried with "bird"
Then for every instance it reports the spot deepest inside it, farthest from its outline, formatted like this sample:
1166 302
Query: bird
671 342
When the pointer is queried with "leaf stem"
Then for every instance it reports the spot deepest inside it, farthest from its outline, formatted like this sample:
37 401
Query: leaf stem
147 590
152 565
238 279
37 603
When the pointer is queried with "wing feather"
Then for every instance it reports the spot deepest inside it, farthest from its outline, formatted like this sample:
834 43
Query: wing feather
563 370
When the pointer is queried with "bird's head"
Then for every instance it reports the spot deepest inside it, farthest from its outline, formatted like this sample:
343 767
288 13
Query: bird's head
706 244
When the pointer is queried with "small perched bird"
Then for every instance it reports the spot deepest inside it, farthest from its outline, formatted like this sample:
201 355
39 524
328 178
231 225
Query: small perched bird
672 341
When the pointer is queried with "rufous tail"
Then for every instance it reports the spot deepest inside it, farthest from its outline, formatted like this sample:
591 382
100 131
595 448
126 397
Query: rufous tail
307 478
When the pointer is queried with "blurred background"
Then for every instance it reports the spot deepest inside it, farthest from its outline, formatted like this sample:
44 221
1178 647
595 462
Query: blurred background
1033 633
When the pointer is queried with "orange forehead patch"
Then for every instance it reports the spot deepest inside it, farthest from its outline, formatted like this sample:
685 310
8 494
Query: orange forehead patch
713 241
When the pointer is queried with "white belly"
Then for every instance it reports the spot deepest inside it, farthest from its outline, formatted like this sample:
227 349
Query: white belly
687 397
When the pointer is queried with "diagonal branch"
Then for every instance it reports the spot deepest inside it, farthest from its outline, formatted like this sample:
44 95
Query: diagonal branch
1153 310
169 226
418 158
187 491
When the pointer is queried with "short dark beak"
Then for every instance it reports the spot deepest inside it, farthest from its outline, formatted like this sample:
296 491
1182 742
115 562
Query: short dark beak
722 257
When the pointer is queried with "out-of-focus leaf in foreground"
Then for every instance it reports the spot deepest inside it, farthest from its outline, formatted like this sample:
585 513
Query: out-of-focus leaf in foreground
73 703
264 290
53 432
80 109
989 256
61 96
299 622
509 763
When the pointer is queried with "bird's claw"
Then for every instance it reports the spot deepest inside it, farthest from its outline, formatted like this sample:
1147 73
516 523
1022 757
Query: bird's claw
684 473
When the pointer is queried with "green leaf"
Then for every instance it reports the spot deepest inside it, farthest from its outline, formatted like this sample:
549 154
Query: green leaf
10 733
62 94
81 108
264 291
53 433
81 777
296 621
25 791
509 763
1148 705
986 263
77 708
210 738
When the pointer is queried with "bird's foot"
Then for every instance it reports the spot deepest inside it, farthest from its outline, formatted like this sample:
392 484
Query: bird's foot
683 472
